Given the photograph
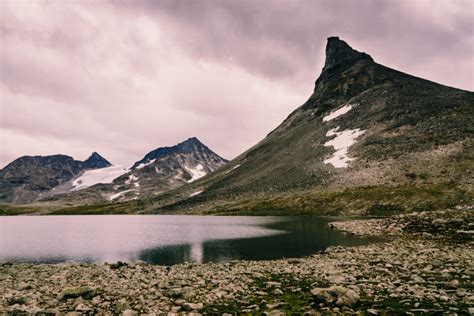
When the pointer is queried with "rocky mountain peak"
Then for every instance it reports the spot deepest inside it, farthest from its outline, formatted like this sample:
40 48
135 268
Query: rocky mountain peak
339 52
96 161
346 73
189 144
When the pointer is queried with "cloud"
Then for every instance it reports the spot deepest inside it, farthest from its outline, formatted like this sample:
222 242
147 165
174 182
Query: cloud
124 77
285 40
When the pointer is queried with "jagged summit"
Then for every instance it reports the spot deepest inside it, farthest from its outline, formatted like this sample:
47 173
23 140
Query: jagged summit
339 52
96 161
346 73
190 145
162 169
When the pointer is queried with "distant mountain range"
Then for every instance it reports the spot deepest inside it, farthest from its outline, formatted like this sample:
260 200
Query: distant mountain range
370 140
27 177
60 177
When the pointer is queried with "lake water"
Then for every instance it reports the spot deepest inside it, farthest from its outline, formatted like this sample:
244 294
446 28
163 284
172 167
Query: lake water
163 239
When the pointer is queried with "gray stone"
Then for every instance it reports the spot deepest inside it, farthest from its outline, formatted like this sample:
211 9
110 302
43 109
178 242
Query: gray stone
74 292
193 306
349 298
121 306
277 292
24 286
129 312
82 308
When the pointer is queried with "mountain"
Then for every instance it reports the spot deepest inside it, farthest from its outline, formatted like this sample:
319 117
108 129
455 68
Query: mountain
160 170
28 177
96 161
370 140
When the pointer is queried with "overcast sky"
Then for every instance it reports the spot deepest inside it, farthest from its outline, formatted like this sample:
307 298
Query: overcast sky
125 77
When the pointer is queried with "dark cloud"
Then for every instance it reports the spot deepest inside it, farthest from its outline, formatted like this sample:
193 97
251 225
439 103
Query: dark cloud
284 39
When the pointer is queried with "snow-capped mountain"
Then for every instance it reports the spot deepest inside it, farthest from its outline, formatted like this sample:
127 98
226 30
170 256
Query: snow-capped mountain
160 170
31 177
166 168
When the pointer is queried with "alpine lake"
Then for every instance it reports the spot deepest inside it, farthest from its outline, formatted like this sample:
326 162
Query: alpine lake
165 239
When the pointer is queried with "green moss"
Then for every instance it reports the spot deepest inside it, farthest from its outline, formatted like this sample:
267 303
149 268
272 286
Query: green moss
291 301
370 201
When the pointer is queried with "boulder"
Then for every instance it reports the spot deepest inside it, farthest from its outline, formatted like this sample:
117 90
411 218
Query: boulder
121 306
349 298
335 294
322 295
82 308
192 306
74 292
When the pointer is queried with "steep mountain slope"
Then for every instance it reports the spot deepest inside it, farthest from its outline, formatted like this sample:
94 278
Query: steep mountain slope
160 170
369 140
29 177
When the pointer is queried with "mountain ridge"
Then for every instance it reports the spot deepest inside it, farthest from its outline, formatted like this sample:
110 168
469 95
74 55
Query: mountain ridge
404 121
161 169
184 146
370 140
27 177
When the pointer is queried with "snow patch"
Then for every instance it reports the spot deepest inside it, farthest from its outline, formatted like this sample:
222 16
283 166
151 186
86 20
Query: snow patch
131 178
341 144
235 167
196 172
116 195
196 193
144 164
337 113
103 175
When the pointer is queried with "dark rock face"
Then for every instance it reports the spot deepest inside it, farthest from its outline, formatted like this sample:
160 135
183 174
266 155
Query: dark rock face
346 73
339 52
96 161
27 177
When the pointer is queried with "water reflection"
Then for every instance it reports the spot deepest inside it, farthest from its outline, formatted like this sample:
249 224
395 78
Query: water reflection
304 236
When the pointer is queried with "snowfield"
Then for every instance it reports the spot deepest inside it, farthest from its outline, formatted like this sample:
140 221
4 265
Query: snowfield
103 175
196 172
143 165
337 113
341 144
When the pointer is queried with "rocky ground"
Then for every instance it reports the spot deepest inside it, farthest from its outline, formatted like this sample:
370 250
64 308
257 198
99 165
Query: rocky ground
455 225
412 272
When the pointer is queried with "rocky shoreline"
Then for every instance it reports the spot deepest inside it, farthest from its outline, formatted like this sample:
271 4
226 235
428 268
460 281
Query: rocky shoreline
414 273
